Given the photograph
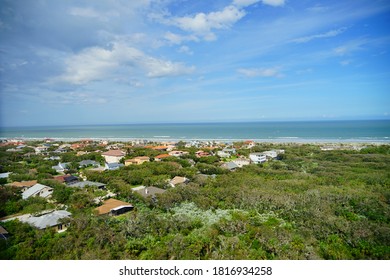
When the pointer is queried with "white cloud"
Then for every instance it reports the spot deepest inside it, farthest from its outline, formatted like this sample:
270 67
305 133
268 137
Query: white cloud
186 50
260 72
97 63
331 33
176 39
202 24
246 3
274 3
92 13
350 47
345 62
84 12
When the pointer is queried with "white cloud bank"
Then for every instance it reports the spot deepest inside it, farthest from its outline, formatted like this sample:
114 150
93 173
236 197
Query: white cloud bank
331 33
260 72
96 63
246 3
201 25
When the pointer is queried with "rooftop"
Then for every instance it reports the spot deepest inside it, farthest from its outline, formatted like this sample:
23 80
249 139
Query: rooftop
109 204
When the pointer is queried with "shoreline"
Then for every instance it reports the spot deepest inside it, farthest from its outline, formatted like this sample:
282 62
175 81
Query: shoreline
281 140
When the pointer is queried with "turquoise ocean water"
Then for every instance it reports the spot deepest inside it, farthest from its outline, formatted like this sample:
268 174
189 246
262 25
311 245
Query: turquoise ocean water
313 131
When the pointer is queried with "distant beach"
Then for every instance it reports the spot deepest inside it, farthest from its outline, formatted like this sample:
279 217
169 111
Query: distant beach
370 131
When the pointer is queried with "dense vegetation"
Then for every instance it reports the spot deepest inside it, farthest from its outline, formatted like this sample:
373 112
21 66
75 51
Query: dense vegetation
310 204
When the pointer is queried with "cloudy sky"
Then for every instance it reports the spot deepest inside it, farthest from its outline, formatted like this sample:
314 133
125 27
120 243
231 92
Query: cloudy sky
151 61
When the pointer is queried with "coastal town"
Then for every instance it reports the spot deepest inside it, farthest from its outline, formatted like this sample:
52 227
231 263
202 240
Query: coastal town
103 156
47 184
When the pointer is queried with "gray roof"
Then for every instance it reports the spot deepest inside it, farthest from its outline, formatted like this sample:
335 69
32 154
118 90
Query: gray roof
113 165
88 162
48 220
44 191
5 175
230 165
149 191
88 183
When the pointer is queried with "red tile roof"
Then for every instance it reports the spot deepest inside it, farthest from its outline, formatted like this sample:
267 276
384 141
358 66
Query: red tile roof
162 156
114 153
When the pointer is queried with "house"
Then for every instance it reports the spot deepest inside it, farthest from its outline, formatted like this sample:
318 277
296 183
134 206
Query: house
137 160
200 154
223 154
83 184
178 153
88 162
230 166
38 190
24 185
49 220
3 233
241 162
148 191
113 156
53 158
257 157
5 175
178 180
160 148
64 178
112 166
249 144
161 157
40 149
271 154
70 179
61 167
114 207
61 150
230 151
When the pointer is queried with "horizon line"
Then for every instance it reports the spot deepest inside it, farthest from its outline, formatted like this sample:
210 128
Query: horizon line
198 122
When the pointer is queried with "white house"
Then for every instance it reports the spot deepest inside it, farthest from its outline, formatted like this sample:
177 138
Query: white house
257 157
113 156
61 167
112 166
49 220
241 161
38 190
271 154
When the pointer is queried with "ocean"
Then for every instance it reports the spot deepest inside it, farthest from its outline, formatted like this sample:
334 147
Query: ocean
376 131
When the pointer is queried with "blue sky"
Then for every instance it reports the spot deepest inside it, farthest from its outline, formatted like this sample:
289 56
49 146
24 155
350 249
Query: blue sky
142 61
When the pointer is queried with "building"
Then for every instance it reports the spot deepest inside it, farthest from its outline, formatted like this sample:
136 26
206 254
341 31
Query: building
61 167
88 162
241 162
49 220
114 207
161 157
148 191
178 180
38 190
137 160
24 185
112 166
113 156
5 175
231 166
84 184
178 153
257 158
